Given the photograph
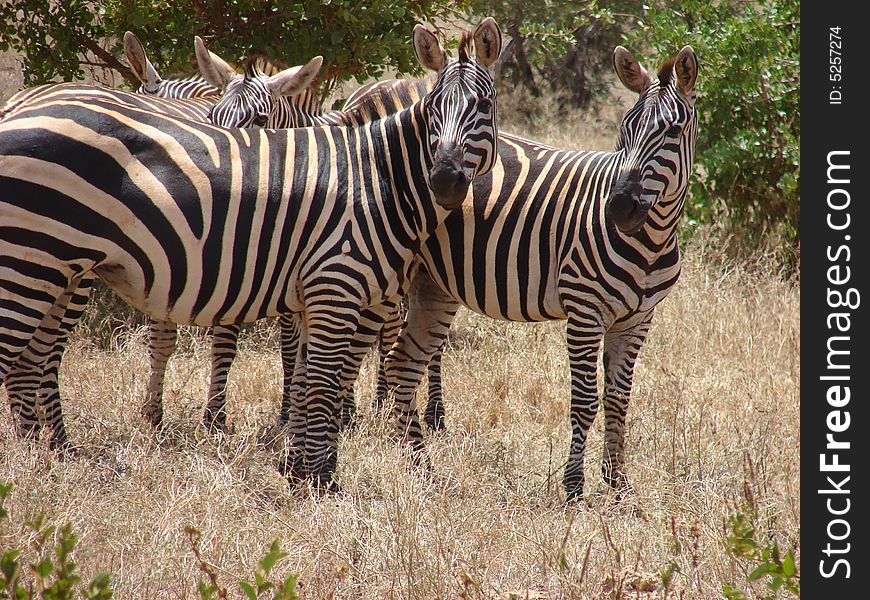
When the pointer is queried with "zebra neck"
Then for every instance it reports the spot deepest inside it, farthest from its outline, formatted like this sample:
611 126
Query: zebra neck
403 166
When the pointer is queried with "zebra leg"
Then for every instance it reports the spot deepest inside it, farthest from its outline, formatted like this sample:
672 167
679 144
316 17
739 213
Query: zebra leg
328 341
389 335
161 344
621 349
584 342
434 415
292 417
29 328
430 314
49 388
369 331
224 344
291 335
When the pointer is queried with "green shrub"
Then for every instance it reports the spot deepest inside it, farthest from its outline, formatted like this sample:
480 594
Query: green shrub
748 152
53 576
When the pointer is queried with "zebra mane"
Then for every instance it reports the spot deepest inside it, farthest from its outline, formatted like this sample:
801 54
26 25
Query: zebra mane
386 98
258 64
466 42
666 71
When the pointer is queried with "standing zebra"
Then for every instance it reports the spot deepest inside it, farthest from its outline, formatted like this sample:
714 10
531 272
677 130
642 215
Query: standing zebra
194 224
589 237
166 97
255 98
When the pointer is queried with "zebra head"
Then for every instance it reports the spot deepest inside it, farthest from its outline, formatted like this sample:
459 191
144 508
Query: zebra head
460 110
257 97
658 138
153 84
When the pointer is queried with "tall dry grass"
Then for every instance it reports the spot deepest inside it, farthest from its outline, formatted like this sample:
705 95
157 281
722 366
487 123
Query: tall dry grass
712 427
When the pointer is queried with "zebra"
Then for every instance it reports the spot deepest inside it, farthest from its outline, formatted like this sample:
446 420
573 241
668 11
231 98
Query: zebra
256 98
587 237
165 97
195 224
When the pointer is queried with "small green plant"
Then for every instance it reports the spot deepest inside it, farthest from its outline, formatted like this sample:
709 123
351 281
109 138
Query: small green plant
53 578
765 560
260 587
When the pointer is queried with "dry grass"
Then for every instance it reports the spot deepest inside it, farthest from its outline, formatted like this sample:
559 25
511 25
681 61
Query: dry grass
713 424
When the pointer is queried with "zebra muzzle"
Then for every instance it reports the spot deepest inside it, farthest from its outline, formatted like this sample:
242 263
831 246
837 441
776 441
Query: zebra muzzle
448 179
626 207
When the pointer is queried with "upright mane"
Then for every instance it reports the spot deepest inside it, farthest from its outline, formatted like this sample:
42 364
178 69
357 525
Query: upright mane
666 71
385 98
466 45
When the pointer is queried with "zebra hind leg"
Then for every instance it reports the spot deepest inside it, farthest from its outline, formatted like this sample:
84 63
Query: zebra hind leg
393 324
368 333
21 363
430 314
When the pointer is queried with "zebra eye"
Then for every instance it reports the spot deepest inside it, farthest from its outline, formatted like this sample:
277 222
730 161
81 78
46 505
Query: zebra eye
674 131
260 120
484 105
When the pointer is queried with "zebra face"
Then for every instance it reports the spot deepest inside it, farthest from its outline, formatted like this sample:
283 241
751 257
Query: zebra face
254 98
658 137
460 110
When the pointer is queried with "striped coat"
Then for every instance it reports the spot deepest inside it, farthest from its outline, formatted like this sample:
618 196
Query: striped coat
194 224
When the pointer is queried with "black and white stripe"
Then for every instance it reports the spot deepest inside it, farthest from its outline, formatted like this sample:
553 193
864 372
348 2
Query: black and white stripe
588 237
196 224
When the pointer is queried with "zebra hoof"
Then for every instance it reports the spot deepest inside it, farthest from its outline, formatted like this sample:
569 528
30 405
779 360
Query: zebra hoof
323 483
216 422
435 423
621 487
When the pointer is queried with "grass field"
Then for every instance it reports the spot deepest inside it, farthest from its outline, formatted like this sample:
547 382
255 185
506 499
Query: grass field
713 429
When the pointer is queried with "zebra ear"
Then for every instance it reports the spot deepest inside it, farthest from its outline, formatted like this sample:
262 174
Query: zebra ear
487 42
686 67
211 66
139 63
294 80
631 74
429 51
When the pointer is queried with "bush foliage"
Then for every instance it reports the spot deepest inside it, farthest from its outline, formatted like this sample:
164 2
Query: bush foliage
357 38
748 152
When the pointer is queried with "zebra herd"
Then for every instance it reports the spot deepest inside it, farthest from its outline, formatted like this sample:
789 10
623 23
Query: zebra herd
222 199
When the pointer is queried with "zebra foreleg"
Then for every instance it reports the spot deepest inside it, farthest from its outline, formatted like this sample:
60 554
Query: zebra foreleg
621 349
328 339
584 342
162 336
224 344
434 414
430 314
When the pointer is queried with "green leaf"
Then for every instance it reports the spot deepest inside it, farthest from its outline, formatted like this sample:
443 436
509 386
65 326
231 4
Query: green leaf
248 589
760 571
788 567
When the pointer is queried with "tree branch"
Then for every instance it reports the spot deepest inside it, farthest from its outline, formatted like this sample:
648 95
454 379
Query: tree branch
109 60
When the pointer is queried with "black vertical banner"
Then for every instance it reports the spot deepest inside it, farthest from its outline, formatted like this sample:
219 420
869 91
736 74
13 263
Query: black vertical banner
835 297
